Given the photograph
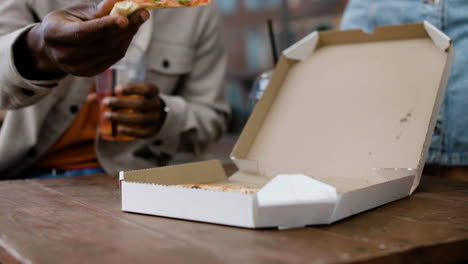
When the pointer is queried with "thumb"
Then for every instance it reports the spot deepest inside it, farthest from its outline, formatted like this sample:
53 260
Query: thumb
105 7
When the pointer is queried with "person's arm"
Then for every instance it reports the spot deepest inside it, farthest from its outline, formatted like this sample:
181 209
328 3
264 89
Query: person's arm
81 40
15 20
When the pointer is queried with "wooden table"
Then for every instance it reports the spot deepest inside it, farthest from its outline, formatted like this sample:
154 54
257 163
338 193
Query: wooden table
78 220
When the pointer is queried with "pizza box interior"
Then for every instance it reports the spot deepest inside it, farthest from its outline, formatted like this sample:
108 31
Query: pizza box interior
343 127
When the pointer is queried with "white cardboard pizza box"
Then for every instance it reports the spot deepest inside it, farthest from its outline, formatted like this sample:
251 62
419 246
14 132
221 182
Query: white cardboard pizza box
344 127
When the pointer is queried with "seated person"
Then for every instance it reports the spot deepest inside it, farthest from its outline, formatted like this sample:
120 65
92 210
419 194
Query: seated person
448 155
49 54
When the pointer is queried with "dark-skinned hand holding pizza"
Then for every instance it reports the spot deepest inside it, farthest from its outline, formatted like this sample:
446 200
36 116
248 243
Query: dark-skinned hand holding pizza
81 40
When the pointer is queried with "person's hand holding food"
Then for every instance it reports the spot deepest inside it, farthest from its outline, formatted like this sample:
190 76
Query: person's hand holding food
82 40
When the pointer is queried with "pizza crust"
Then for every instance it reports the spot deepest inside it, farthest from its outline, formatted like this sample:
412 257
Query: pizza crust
128 7
220 188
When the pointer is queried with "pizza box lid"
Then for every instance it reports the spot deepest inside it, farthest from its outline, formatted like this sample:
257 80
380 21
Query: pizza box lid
344 126
350 106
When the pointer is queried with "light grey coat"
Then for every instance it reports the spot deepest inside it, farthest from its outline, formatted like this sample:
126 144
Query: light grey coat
191 86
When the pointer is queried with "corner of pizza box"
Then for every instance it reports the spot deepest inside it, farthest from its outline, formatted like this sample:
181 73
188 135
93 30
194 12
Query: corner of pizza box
290 201
303 48
387 33
239 154
223 208
247 166
361 200
295 200
121 176
438 104
121 179
440 39
191 173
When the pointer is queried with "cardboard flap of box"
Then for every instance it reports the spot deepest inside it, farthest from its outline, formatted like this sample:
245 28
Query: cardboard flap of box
350 106
305 47
195 173
294 189
441 40
295 201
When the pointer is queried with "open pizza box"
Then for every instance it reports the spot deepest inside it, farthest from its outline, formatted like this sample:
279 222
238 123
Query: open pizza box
344 127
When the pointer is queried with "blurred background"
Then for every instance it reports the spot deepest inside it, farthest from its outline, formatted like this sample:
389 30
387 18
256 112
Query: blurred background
248 44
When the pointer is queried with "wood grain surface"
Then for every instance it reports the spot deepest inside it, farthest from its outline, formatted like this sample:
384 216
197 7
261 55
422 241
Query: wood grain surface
78 220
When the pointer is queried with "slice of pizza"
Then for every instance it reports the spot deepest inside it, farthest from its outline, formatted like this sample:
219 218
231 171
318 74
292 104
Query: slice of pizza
220 188
127 7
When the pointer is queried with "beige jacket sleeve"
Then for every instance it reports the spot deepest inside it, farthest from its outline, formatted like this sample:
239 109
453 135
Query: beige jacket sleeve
16 19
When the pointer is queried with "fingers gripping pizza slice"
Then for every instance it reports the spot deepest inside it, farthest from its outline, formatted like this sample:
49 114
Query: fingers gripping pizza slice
127 7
